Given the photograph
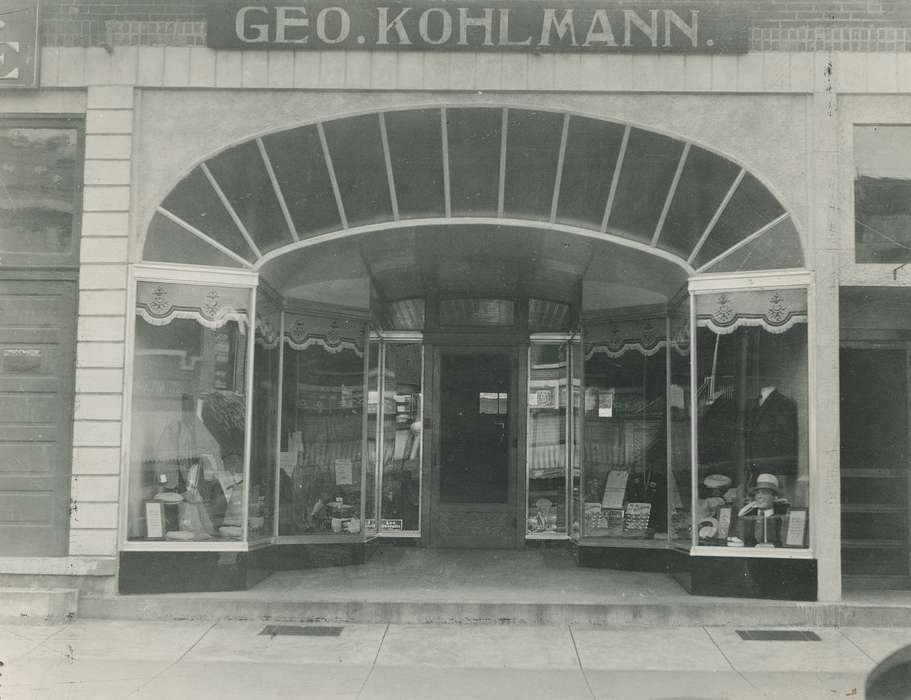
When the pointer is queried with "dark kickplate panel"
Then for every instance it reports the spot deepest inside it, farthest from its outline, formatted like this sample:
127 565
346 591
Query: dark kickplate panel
779 636
301 631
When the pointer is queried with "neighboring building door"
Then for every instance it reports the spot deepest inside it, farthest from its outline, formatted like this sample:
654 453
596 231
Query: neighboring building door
473 501
874 465
37 366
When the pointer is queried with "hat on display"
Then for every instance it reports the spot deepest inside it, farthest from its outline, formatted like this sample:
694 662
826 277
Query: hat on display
766 481
717 481
708 527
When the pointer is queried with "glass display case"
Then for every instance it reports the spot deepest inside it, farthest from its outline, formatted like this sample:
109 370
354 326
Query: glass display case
322 437
751 483
189 410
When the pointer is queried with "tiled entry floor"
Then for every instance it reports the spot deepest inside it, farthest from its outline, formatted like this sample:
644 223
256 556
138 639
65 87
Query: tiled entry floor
415 575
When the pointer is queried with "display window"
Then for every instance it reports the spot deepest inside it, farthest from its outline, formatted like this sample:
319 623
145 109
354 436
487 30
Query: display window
751 482
395 427
322 444
624 457
189 411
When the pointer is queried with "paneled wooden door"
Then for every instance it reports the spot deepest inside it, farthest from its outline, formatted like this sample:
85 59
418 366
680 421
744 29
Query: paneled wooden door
37 366
474 455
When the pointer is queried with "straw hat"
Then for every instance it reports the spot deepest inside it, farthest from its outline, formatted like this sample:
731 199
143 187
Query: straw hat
766 481
717 481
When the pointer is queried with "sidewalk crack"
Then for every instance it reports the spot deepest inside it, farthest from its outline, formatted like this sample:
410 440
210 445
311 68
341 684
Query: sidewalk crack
857 646
373 665
733 668
591 691
171 665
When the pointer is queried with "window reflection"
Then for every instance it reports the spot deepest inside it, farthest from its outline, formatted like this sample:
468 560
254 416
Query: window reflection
882 194
38 193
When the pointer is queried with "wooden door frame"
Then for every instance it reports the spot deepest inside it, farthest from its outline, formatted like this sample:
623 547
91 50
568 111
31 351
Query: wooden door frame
516 487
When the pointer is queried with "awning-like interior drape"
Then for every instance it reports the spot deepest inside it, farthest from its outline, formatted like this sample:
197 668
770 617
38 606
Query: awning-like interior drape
775 311
616 337
332 334
159 303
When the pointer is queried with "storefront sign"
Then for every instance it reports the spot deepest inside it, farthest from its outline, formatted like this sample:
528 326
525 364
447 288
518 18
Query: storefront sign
588 26
19 43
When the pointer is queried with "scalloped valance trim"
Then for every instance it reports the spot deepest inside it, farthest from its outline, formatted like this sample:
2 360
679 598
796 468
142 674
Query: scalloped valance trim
318 341
614 352
160 303
775 311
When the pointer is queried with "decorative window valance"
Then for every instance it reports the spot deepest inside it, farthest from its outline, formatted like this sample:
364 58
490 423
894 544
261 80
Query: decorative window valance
159 303
332 334
615 338
268 321
775 311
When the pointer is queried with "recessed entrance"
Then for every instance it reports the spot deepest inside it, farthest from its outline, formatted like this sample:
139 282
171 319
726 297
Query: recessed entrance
474 456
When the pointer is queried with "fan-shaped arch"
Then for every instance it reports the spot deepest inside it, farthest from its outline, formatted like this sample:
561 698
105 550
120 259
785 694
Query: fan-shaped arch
282 191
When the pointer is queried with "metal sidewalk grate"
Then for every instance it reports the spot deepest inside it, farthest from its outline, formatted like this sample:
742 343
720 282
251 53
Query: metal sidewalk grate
301 631
779 636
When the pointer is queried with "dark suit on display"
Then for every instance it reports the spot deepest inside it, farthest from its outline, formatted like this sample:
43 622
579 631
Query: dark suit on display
771 437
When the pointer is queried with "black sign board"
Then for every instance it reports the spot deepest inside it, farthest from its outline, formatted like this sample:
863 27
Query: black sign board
523 25
19 43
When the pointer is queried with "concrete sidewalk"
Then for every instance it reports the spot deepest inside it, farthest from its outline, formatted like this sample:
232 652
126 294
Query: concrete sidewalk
223 660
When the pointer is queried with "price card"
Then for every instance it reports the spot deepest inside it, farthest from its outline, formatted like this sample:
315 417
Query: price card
344 472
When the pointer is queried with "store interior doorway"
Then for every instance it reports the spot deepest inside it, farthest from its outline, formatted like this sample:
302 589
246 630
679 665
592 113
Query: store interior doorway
874 465
474 453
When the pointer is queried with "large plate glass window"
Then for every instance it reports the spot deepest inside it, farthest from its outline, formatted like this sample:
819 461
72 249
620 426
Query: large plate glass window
624 457
751 486
320 484
882 193
189 413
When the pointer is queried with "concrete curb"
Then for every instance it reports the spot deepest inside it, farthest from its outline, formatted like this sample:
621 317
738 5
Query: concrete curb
38 606
714 613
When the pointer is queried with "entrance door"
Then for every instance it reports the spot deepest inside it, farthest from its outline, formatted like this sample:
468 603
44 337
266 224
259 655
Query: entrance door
874 466
38 332
474 456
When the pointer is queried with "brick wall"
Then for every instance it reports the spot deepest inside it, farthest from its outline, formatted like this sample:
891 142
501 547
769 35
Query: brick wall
778 25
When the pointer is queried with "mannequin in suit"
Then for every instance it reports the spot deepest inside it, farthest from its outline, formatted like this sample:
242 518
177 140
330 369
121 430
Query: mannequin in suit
771 435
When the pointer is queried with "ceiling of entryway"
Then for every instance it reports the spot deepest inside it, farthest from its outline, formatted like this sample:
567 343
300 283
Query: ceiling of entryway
464 260
509 171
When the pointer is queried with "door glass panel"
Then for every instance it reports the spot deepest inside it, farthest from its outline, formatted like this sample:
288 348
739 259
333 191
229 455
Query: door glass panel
475 440
402 423
547 439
